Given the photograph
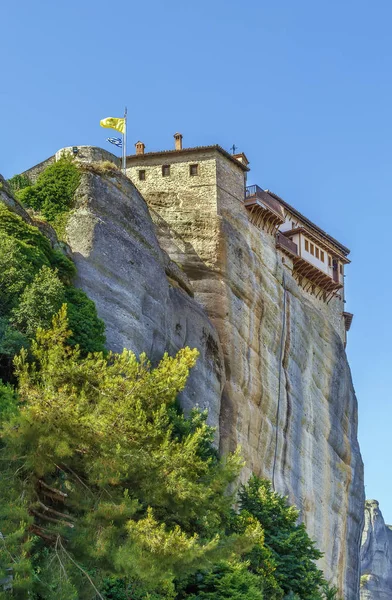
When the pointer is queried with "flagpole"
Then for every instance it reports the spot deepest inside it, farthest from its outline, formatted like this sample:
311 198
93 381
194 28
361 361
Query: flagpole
124 165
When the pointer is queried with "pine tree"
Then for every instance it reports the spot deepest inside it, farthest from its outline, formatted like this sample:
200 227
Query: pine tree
106 478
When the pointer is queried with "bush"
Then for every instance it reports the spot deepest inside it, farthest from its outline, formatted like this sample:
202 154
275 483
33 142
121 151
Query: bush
87 329
18 182
53 193
35 281
40 300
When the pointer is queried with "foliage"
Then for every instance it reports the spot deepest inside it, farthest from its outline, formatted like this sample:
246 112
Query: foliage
8 402
53 192
87 330
281 565
18 182
40 300
288 547
143 500
226 580
35 280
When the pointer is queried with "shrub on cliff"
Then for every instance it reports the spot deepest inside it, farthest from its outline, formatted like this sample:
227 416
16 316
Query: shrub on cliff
35 280
53 192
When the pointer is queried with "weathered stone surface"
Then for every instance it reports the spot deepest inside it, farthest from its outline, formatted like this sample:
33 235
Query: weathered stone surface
273 372
123 269
288 399
376 555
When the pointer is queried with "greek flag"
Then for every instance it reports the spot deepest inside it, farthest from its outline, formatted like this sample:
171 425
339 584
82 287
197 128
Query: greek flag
115 141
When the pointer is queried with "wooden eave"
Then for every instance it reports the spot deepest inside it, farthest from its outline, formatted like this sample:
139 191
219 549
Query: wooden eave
303 268
166 154
319 241
348 319
262 214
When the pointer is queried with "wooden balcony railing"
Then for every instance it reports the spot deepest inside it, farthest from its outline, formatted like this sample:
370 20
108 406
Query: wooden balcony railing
285 243
255 191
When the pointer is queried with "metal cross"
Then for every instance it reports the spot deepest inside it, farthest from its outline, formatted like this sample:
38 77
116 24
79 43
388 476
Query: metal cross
233 148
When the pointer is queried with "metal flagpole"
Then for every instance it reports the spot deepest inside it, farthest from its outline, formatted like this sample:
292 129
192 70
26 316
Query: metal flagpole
125 143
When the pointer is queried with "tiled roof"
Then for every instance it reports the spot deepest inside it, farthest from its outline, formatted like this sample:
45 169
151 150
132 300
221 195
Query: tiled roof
309 223
189 151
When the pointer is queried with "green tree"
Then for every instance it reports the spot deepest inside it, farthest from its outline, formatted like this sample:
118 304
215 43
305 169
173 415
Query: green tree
228 580
288 547
53 192
40 300
102 478
18 182
35 280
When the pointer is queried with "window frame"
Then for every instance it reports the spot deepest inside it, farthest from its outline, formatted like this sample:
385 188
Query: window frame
194 166
142 174
165 170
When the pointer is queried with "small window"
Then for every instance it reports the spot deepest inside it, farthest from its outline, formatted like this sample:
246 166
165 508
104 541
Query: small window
312 249
306 245
165 170
292 225
341 269
329 261
321 256
193 170
317 252
142 175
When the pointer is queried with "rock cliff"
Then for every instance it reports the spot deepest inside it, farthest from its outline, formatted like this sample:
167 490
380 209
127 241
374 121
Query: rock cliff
376 555
143 297
272 370
288 398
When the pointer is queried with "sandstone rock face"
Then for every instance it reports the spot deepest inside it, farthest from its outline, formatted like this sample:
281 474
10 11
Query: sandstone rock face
288 398
376 555
142 296
272 372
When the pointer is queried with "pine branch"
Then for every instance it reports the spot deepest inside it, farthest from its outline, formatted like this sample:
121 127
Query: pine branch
55 512
50 519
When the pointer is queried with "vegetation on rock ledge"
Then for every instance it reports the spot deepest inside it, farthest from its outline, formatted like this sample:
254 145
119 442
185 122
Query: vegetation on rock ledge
35 281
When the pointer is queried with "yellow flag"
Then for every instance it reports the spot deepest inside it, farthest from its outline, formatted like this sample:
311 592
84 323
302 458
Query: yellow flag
113 123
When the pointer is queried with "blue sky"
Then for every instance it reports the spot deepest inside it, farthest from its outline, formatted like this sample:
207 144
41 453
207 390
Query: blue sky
304 88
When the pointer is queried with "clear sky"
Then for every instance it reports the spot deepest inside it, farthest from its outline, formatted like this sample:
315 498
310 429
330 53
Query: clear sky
304 88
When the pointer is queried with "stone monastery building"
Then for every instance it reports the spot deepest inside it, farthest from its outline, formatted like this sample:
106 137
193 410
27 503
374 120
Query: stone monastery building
206 179
188 188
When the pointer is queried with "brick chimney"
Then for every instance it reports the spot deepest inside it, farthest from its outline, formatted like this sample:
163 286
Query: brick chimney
139 147
178 141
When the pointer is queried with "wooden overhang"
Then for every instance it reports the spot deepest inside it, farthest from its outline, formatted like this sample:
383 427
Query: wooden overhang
306 274
264 211
310 225
320 241
348 319
315 277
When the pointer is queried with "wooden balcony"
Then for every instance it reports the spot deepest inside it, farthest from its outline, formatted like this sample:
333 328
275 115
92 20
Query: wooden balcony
348 319
264 211
285 244
307 275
